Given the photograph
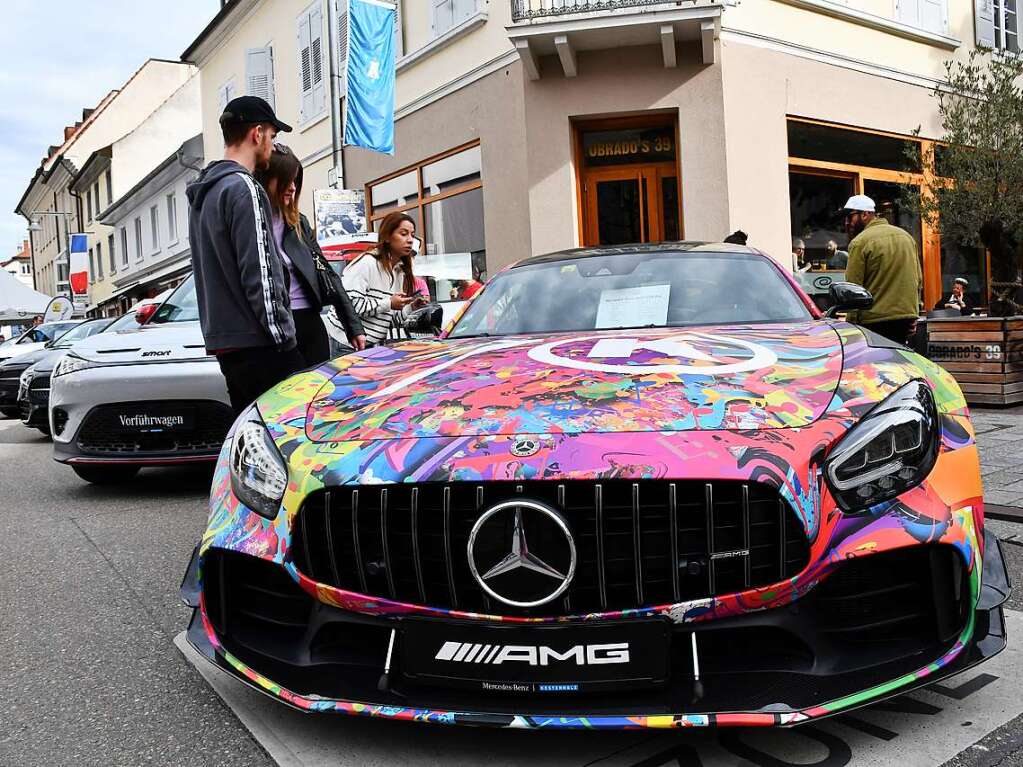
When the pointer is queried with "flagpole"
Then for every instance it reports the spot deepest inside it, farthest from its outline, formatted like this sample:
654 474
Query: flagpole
336 127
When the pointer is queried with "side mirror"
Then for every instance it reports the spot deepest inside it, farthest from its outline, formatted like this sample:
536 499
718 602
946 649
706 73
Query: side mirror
143 314
846 296
427 321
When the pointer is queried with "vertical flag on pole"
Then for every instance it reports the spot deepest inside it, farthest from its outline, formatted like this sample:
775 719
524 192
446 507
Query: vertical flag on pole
369 107
78 264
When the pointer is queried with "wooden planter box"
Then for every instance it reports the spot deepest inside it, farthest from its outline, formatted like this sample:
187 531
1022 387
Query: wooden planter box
984 354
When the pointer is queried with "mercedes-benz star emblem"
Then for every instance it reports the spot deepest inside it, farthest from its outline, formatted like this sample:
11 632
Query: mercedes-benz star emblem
538 581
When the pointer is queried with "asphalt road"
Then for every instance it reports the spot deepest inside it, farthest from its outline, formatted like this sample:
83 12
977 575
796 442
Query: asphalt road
89 674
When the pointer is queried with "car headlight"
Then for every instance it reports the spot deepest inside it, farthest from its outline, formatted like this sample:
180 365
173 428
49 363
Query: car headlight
26 377
259 475
71 363
891 450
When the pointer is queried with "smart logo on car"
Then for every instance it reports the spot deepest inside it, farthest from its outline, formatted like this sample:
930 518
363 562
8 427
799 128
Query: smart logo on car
711 354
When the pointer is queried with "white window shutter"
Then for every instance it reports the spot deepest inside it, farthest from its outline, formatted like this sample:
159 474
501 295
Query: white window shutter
319 68
463 11
399 36
305 68
442 16
341 8
259 74
908 12
984 19
934 16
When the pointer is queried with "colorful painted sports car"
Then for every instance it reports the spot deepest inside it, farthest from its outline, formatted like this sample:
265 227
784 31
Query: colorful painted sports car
643 486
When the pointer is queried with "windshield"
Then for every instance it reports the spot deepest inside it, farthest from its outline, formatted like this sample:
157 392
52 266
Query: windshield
46 332
181 306
79 332
125 322
630 290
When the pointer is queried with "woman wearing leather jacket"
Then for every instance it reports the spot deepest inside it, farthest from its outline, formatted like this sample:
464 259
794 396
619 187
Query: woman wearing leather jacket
296 242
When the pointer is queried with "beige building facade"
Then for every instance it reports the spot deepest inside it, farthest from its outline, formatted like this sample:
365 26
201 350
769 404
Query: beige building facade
56 206
526 126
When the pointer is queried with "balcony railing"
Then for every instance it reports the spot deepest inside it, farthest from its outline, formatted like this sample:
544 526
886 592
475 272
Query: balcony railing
527 10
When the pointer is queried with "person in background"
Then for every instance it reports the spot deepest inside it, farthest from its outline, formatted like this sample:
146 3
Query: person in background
799 262
240 279
296 243
958 299
738 237
883 259
834 258
381 282
37 321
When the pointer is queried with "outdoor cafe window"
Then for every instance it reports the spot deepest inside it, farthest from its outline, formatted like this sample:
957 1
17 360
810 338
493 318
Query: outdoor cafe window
444 196
827 165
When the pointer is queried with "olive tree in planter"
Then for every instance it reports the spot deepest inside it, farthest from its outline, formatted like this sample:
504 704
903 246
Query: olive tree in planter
975 198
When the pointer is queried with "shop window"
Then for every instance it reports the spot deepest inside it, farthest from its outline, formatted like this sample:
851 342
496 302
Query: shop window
827 143
444 196
968 262
816 200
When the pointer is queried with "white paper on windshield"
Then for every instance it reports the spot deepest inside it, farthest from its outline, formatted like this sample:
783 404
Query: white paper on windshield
443 266
634 307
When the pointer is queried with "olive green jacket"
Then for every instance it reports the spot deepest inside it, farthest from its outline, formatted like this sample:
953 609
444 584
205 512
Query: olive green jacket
883 259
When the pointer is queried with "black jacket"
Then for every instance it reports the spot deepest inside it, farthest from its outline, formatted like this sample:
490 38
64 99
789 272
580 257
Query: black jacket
240 280
300 250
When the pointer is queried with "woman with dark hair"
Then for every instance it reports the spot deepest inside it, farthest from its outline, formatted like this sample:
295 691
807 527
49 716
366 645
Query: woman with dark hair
296 242
381 282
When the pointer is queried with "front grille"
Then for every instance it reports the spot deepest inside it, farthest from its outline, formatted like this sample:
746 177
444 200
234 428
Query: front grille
11 373
39 391
102 433
638 543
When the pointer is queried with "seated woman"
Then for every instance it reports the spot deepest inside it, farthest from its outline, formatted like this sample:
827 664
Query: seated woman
958 299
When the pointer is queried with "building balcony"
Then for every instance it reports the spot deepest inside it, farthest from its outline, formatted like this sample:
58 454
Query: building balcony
563 27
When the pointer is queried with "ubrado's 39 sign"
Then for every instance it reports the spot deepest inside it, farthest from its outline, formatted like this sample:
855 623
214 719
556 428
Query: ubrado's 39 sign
629 147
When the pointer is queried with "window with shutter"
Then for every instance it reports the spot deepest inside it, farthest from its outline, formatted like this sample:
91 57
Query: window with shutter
399 36
99 259
447 14
341 14
312 83
112 255
259 74
928 15
442 17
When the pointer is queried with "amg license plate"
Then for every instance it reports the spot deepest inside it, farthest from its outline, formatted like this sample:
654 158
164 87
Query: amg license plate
536 659
156 419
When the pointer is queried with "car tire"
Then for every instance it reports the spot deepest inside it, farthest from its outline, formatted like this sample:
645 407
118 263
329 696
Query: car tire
10 412
105 475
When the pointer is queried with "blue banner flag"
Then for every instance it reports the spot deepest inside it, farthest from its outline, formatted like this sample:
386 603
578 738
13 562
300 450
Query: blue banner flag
369 108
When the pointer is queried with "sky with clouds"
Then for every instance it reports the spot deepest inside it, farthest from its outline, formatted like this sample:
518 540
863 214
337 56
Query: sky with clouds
61 57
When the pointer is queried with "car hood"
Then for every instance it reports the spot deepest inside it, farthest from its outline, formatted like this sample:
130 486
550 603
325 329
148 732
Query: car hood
173 342
27 358
19 350
45 361
665 380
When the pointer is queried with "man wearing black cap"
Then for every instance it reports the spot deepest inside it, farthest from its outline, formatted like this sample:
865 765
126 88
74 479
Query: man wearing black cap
240 279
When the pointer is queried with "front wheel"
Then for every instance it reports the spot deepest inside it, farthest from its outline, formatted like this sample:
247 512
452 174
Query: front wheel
105 475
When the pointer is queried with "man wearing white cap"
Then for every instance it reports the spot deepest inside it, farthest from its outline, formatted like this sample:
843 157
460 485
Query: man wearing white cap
883 259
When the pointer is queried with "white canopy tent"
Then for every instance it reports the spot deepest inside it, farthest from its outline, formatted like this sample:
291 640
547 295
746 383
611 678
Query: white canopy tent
18 302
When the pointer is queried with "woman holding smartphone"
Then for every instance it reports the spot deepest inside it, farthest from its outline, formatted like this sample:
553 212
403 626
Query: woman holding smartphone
381 284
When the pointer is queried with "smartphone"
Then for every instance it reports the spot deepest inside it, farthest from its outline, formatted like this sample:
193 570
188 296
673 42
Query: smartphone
417 246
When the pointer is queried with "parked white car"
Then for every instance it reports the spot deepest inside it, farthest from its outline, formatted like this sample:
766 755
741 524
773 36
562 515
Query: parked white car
148 396
35 338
